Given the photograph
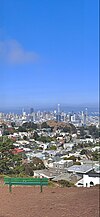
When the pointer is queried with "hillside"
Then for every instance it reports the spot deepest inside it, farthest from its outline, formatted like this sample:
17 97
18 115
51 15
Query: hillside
55 125
53 202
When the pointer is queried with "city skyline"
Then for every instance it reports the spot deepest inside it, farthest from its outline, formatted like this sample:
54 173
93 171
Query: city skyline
49 53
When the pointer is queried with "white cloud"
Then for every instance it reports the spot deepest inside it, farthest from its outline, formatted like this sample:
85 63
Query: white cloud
12 52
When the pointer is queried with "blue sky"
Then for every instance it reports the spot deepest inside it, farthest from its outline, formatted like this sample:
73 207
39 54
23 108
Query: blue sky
48 52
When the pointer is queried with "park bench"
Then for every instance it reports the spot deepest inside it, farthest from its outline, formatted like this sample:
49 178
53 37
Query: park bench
25 181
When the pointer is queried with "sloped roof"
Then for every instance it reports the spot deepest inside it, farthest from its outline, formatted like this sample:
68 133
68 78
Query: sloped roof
68 177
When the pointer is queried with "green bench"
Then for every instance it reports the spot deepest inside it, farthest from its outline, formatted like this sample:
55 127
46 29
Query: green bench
25 181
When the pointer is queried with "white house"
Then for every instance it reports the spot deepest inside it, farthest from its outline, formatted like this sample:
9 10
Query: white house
0 132
89 181
87 140
96 148
62 164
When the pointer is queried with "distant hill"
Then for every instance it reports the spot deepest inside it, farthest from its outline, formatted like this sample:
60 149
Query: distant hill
59 125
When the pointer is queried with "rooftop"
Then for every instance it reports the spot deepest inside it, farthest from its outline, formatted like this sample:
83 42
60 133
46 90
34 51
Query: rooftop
80 168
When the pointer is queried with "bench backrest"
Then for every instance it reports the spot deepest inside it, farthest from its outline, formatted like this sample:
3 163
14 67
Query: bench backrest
33 181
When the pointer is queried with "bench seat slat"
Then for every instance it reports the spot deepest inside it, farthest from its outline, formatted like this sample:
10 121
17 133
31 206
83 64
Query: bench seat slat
28 183
26 180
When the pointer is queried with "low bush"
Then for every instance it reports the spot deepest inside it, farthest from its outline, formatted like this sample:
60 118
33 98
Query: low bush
65 183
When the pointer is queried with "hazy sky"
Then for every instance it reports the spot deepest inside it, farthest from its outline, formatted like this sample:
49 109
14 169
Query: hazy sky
48 52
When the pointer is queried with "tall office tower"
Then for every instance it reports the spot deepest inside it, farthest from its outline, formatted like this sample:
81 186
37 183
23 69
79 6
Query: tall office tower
23 110
31 110
69 117
86 113
58 108
58 116
73 118
62 116
83 118
1 114
55 114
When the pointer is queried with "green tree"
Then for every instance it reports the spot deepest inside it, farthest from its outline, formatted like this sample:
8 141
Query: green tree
65 183
22 129
94 131
53 147
44 125
8 161
77 163
96 155
37 163
84 151
30 125
25 137
35 136
67 129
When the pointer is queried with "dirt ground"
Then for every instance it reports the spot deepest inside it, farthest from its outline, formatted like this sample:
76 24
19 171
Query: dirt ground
52 202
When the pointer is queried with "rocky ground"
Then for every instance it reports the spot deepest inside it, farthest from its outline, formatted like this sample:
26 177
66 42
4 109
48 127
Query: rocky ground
52 202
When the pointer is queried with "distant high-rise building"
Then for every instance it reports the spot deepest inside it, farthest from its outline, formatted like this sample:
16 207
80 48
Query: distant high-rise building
31 110
58 116
86 113
58 108
23 110
83 118
69 117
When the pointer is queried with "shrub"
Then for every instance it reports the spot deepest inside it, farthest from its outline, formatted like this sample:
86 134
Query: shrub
65 183
77 163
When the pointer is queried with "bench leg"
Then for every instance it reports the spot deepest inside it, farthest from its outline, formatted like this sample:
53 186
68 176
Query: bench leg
41 188
10 188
